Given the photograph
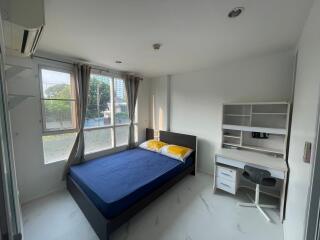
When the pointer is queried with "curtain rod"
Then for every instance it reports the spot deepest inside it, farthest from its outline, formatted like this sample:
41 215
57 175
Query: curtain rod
73 62
94 67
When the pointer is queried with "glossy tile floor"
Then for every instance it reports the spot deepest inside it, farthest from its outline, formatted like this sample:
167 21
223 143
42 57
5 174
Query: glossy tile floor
188 211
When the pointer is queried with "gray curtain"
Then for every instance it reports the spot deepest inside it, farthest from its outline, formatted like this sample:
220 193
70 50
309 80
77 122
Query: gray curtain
82 78
132 86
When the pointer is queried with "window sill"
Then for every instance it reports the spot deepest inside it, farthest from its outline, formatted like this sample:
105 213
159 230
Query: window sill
92 155
55 162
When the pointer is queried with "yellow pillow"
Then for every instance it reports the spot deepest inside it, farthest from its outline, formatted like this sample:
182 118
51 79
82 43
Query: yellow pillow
153 145
177 152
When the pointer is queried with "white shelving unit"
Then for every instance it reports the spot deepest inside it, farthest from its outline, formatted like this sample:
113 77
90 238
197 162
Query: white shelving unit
16 99
11 72
271 119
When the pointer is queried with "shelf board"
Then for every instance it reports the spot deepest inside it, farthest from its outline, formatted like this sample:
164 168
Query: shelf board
263 149
13 71
256 103
232 144
16 99
231 136
280 131
237 115
283 114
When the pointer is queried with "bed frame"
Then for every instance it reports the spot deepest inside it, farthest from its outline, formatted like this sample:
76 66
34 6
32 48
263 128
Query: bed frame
103 226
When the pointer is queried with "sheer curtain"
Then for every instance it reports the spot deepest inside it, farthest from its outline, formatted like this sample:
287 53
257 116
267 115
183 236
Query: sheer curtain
82 78
132 86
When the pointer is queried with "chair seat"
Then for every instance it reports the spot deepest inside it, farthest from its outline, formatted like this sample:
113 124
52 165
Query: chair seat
259 176
270 182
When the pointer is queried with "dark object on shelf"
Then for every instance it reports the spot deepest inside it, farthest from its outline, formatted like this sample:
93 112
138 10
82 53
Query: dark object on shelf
260 135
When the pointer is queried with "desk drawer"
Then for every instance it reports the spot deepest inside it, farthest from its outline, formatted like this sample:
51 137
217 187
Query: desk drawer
227 173
226 185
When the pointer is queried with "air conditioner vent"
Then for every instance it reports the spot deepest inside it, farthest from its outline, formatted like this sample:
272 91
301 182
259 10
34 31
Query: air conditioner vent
23 24
21 41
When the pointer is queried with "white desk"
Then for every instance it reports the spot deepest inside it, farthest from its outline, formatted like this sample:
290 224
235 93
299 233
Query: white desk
239 158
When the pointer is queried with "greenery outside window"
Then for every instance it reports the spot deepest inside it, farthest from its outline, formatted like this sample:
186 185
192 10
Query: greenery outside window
107 121
107 118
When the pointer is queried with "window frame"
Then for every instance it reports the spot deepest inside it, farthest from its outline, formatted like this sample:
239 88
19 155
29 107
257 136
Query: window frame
113 124
45 130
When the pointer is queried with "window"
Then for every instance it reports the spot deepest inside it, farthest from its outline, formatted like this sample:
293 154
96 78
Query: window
99 119
107 118
59 118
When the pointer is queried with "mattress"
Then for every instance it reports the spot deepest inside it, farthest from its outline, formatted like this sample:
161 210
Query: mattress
115 182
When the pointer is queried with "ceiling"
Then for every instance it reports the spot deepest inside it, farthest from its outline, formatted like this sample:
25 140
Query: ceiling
195 33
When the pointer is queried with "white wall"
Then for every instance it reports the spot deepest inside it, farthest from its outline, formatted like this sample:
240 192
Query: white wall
35 179
159 103
197 97
143 108
304 120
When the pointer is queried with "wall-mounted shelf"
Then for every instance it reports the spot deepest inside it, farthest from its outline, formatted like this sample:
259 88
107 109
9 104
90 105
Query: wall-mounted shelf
231 136
13 70
284 114
237 115
280 131
240 120
16 99
263 149
232 145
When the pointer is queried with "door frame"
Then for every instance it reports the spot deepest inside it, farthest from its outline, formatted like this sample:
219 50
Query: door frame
3 216
11 218
312 229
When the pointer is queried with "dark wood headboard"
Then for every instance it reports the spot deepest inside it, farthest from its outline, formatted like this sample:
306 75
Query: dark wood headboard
149 133
180 139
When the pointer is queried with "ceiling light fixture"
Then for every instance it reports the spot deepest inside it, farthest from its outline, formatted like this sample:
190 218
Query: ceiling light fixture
235 12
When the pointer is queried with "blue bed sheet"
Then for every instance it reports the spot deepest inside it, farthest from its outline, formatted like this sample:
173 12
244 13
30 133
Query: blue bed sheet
115 182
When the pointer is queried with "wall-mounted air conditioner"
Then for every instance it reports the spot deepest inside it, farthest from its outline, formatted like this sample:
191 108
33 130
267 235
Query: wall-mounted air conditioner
23 22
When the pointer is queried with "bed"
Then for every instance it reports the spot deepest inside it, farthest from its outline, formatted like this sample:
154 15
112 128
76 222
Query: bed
111 189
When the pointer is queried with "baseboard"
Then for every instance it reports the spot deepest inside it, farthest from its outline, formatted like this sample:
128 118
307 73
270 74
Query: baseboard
204 171
43 195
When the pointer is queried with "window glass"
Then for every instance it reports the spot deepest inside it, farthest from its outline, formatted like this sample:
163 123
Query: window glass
99 108
57 147
136 113
122 135
136 134
59 114
58 100
106 121
120 102
56 85
97 140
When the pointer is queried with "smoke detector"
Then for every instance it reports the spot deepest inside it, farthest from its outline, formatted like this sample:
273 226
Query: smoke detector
235 12
156 46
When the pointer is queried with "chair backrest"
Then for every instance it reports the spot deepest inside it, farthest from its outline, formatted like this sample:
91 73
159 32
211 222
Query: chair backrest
256 175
